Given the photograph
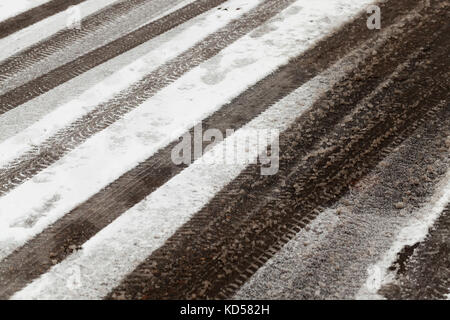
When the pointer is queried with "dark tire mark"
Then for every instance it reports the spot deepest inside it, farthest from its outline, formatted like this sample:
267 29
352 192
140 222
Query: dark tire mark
68 71
337 267
65 37
99 119
425 274
107 113
213 254
34 15
309 65
132 187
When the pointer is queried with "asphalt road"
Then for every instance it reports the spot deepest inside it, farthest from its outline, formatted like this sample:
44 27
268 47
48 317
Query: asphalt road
355 167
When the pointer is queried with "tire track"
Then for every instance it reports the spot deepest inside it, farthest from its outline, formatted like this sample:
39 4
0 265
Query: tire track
17 122
70 70
64 38
107 113
101 35
317 263
34 15
423 270
250 220
85 221
67 139
227 269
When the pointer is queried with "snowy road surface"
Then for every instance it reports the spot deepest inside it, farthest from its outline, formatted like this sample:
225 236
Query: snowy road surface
347 197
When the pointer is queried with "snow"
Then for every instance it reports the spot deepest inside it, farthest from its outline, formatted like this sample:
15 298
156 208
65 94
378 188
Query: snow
199 29
163 118
45 28
11 8
413 233
125 243
18 119
278 277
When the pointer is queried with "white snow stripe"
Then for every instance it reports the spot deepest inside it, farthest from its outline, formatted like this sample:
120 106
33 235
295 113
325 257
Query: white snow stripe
145 58
11 8
47 27
413 233
124 244
112 28
117 149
